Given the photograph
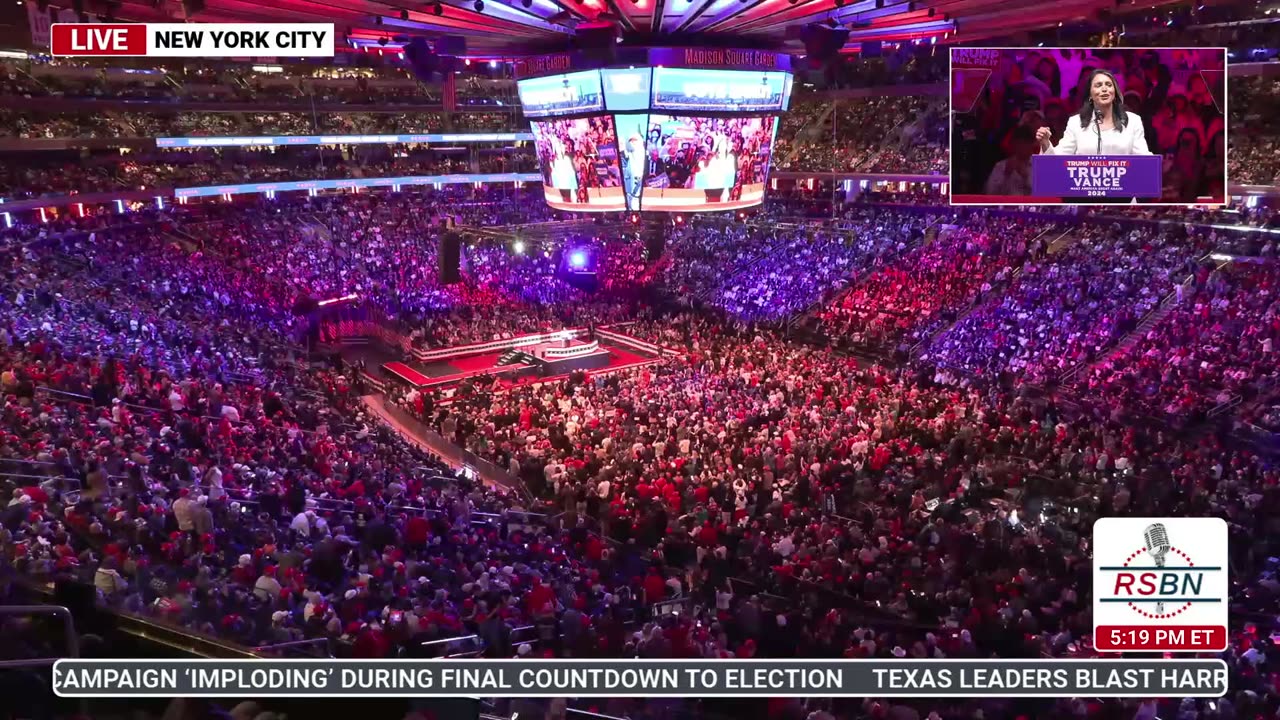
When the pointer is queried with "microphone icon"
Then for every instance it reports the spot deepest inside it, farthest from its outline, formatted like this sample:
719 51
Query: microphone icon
1156 538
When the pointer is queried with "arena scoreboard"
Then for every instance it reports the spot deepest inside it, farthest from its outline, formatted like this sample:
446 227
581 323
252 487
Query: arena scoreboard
675 129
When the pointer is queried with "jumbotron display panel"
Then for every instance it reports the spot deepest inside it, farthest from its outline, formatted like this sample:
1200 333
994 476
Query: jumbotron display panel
697 163
661 139
561 94
578 158
692 90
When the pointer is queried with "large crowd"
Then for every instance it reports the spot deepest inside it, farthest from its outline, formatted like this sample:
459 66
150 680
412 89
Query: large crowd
807 264
1254 154
1067 307
877 134
1216 345
797 482
896 133
388 84
192 469
67 173
906 302
166 436
248 121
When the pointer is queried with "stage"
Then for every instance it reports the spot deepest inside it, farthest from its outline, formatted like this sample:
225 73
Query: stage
515 361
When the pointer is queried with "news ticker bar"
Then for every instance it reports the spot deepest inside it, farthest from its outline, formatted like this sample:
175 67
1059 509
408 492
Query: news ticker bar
211 190
269 140
641 678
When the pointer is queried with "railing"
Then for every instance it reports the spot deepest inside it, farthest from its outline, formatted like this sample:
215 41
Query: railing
32 78
1261 437
69 633
1050 248
86 400
69 630
462 456
532 635
28 462
570 352
43 478
1226 406
392 336
810 131
430 646
321 643
980 298
1153 315
64 393
675 606
629 341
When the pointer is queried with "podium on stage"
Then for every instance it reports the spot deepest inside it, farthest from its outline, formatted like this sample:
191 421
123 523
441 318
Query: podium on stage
1097 176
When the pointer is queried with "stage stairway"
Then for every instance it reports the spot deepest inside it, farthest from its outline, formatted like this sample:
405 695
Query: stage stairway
516 357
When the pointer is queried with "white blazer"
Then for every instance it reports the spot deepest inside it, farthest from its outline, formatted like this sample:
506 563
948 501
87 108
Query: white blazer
1078 140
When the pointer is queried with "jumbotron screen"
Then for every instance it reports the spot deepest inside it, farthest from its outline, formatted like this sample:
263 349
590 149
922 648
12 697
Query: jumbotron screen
578 158
705 145
704 163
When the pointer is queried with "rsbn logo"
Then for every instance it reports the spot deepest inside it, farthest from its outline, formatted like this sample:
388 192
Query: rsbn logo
1159 581
1160 575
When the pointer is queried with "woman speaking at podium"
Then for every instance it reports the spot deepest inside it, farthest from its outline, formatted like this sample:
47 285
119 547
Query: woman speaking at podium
1102 127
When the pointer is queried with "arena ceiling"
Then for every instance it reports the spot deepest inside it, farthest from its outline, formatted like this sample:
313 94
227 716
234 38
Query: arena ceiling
503 28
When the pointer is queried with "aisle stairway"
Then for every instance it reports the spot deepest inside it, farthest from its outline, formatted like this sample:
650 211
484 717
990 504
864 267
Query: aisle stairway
1166 306
1060 243
997 291
807 133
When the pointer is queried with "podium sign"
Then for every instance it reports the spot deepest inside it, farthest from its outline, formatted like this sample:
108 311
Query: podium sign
1097 176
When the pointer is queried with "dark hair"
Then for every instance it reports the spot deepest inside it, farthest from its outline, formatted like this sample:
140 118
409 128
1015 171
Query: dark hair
1118 116
1195 138
1211 148
1055 80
